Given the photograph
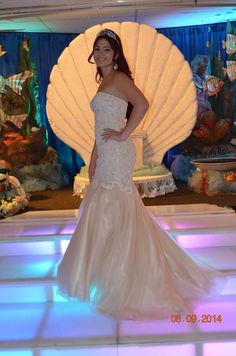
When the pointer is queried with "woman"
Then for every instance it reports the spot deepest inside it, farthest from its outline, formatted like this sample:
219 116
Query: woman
119 259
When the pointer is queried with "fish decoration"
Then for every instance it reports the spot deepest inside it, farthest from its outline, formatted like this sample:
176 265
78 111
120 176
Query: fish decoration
223 44
17 120
213 85
14 82
2 51
199 82
230 43
231 69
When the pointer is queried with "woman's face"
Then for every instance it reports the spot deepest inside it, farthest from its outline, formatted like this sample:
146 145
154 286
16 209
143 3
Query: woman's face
103 54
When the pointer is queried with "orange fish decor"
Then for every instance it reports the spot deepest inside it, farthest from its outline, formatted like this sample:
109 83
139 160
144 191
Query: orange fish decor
230 177
211 130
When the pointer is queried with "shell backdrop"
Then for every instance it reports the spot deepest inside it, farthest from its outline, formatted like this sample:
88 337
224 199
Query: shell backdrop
159 70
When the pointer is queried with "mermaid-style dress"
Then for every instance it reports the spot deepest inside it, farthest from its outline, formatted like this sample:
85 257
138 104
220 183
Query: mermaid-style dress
119 259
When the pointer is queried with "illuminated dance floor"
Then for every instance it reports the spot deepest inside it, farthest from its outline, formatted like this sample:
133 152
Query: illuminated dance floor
36 321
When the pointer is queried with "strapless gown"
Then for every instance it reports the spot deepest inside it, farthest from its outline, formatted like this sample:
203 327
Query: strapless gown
120 259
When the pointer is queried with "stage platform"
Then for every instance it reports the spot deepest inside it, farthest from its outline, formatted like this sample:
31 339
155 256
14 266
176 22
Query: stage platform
64 199
36 321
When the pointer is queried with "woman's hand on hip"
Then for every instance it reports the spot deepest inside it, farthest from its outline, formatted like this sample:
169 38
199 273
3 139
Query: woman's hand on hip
110 134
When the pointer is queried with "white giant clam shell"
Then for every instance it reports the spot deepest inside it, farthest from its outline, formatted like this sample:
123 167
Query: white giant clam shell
159 70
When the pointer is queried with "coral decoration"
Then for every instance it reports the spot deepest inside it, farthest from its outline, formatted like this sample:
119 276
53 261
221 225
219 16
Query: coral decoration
208 118
230 177
211 130
10 137
19 151
12 196
212 183
203 182
222 128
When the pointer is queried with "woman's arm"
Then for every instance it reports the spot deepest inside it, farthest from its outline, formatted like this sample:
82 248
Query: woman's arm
93 162
126 89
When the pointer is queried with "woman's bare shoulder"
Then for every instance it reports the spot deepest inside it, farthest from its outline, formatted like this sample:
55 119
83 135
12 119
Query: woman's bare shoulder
122 77
123 82
128 89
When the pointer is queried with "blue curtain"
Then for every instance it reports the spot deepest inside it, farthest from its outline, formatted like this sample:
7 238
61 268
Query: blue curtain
192 40
46 48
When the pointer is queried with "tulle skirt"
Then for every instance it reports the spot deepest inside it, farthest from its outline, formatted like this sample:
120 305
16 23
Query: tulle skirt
125 265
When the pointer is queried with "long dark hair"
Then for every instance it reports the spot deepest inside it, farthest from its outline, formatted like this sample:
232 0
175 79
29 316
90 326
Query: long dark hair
119 59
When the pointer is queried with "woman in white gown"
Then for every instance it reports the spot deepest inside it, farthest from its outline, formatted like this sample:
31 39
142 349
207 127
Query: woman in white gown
119 259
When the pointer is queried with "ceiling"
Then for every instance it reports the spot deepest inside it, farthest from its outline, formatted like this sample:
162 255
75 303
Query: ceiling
68 16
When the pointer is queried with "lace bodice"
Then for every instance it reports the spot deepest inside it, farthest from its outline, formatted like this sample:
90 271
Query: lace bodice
109 112
115 159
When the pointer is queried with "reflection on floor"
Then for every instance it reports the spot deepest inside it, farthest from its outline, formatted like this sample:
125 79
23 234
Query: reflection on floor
36 321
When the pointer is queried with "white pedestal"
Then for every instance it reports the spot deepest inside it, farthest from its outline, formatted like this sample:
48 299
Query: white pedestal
137 138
